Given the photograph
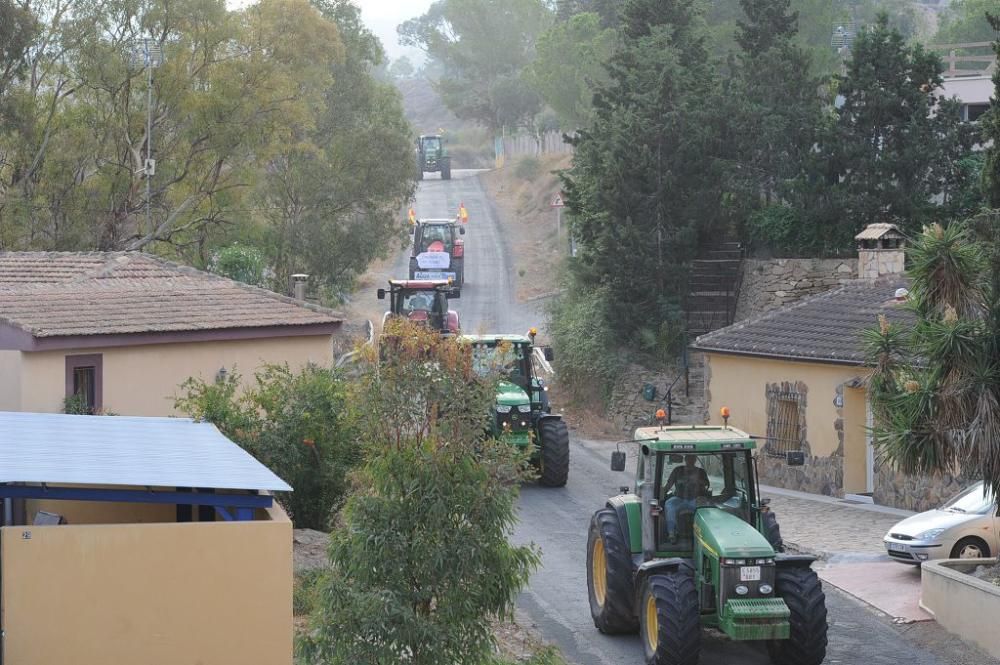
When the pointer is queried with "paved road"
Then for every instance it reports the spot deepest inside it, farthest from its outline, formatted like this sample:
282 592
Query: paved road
557 519
488 302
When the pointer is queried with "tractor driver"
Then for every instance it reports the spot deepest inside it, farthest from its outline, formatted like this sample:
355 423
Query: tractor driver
689 482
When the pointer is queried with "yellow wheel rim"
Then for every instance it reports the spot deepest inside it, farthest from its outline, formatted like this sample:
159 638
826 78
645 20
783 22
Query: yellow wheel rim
652 624
599 571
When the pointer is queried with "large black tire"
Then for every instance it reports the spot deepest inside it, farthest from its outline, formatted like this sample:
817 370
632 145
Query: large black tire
554 454
675 639
802 591
446 169
613 614
772 531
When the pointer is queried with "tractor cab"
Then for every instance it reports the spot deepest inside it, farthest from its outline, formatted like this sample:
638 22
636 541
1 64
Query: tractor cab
423 301
685 477
438 251
522 413
432 156
694 545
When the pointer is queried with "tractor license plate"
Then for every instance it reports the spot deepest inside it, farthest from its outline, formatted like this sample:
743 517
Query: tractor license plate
750 574
430 274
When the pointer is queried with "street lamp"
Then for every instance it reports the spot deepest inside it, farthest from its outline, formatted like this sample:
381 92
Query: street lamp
149 54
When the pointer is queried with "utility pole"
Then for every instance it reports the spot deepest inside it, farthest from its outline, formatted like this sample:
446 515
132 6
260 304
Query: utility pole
150 55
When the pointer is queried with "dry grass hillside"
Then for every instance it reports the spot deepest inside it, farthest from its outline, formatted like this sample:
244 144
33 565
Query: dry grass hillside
523 192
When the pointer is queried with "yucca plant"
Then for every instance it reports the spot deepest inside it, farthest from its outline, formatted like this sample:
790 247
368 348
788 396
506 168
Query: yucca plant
935 388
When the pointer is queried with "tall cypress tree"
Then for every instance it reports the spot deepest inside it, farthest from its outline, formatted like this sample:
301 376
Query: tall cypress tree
990 122
642 185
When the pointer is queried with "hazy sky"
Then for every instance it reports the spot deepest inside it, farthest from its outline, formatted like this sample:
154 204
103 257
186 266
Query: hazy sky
382 16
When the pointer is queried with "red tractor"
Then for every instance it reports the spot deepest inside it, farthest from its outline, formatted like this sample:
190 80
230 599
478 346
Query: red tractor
438 251
424 301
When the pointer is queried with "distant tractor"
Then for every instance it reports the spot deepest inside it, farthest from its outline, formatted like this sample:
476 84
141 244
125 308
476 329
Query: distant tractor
438 251
423 301
432 156
522 413
694 545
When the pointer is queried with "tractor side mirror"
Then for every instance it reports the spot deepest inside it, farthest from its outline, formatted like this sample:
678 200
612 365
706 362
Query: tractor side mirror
548 354
381 294
461 230
795 458
618 461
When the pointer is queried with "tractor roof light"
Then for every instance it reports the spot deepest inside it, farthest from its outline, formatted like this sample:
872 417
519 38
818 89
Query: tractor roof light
724 412
532 331
661 416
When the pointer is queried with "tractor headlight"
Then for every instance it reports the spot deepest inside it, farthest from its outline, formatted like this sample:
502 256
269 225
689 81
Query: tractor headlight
503 408
742 589
524 408
765 589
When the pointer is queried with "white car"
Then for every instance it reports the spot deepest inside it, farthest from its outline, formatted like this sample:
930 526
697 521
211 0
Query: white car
963 528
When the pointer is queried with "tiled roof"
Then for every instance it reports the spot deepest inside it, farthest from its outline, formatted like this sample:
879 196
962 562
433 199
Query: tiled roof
54 294
825 328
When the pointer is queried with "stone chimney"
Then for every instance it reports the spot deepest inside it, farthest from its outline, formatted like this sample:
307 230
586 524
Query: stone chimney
299 286
880 252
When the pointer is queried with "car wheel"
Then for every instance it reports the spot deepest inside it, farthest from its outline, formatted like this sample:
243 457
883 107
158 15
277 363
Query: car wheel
970 548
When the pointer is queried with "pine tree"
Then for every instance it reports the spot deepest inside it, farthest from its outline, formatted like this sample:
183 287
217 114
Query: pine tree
768 24
642 186
896 141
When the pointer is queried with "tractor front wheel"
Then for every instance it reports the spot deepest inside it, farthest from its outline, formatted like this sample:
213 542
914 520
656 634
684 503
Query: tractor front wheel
446 169
609 575
669 618
554 454
802 592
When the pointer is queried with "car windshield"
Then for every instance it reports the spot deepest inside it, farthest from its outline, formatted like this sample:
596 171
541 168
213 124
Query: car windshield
971 501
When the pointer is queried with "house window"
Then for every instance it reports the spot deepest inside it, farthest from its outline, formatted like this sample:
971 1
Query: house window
973 112
785 410
84 384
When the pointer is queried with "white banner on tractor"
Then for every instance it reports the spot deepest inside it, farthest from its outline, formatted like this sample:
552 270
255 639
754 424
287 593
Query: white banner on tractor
433 260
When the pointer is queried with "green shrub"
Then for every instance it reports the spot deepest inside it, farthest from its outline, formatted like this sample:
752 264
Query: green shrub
296 424
242 263
584 342
305 593
527 168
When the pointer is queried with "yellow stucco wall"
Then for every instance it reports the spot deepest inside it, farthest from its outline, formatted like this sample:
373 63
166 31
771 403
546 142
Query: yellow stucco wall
142 380
10 380
158 594
740 382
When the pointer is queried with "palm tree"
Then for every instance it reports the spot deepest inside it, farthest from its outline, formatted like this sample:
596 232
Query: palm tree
935 389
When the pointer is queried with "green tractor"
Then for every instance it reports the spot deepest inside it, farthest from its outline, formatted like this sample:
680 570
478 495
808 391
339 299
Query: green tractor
695 546
432 156
523 415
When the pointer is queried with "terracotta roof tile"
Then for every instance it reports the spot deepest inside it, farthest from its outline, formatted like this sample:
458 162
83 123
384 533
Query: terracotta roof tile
51 294
826 327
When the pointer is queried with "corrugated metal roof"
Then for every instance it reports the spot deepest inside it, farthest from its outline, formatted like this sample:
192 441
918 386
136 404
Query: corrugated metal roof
117 450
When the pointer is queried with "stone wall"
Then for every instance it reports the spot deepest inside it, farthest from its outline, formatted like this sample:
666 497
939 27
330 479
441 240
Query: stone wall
628 408
919 493
819 475
771 283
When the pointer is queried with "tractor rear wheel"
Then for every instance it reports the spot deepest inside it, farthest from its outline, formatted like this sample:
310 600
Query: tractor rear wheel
554 454
669 618
609 575
802 592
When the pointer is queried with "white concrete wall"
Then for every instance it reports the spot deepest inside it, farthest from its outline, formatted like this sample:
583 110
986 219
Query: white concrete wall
963 605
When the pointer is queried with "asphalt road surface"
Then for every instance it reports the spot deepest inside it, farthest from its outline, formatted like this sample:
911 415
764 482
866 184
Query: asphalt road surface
488 303
557 519
556 601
